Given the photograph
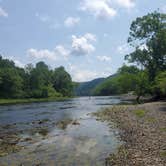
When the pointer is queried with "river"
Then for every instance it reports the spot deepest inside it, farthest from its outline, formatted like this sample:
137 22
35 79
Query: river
60 133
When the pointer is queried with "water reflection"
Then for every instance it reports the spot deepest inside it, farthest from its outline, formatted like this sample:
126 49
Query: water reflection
59 133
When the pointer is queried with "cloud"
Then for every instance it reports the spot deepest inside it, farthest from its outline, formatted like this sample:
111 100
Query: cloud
79 46
57 53
126 3
16 61
42 54
104 58
98 8
71 21
82 45
60 49
19 64
3 13
82 75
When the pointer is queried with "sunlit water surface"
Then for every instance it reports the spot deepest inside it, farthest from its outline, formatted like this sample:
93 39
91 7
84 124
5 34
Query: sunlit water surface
87 143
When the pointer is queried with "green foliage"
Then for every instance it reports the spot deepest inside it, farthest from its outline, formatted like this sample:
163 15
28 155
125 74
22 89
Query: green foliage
87 88
124 81
159 87
142 84
62 82
148 37
108 87
10 83
33 82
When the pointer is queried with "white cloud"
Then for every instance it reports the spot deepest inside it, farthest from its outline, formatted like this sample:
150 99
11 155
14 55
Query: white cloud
79 46
16 61
79 75
82 75
123 49
126 3
60 49
55 54
90 37
3 13
19 64
104 58
82 45
42 54
99 8
71 21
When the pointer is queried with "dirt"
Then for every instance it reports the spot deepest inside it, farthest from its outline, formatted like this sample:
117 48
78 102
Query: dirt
142 129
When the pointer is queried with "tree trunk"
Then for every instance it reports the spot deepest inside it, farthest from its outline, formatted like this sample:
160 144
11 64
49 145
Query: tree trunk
138 99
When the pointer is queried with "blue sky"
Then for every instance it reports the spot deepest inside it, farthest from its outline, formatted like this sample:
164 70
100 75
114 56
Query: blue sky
87 37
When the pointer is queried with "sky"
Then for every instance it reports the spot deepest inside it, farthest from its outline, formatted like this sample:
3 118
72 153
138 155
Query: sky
87 37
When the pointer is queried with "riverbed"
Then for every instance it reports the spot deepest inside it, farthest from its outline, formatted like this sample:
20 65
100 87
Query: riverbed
62 133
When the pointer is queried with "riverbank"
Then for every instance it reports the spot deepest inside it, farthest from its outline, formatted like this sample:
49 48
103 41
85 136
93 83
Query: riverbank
142 128
31 100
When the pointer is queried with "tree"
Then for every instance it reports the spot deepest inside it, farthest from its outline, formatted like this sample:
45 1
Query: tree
10 83
62 82
127 78
148 37
142 85
33 82
159 87
39 79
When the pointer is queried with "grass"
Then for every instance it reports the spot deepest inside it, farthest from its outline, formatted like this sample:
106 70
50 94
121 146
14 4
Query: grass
163 129
139 113
163 154
151 120
31 100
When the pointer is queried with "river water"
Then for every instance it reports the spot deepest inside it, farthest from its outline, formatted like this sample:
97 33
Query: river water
59 133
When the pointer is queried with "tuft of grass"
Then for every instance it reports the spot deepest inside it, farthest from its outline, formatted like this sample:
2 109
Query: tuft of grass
163 154
151 120
163 129
139 113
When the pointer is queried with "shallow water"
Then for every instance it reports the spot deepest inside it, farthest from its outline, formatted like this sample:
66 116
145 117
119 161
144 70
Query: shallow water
88 142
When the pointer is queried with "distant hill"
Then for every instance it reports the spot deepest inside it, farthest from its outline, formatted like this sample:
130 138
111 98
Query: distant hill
86 88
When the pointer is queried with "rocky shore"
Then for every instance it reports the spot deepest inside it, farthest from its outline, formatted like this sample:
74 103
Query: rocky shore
142 129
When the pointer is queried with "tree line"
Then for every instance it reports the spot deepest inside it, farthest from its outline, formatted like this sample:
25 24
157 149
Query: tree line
147 74
37 81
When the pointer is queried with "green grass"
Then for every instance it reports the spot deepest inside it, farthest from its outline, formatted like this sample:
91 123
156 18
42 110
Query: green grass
151 120
31 100
163 129
139 113
163 154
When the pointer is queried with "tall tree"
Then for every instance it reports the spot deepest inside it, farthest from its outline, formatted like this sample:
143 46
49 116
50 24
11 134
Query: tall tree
62 82
148 37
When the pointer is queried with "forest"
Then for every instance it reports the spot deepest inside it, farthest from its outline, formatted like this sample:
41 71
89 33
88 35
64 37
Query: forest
37 81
